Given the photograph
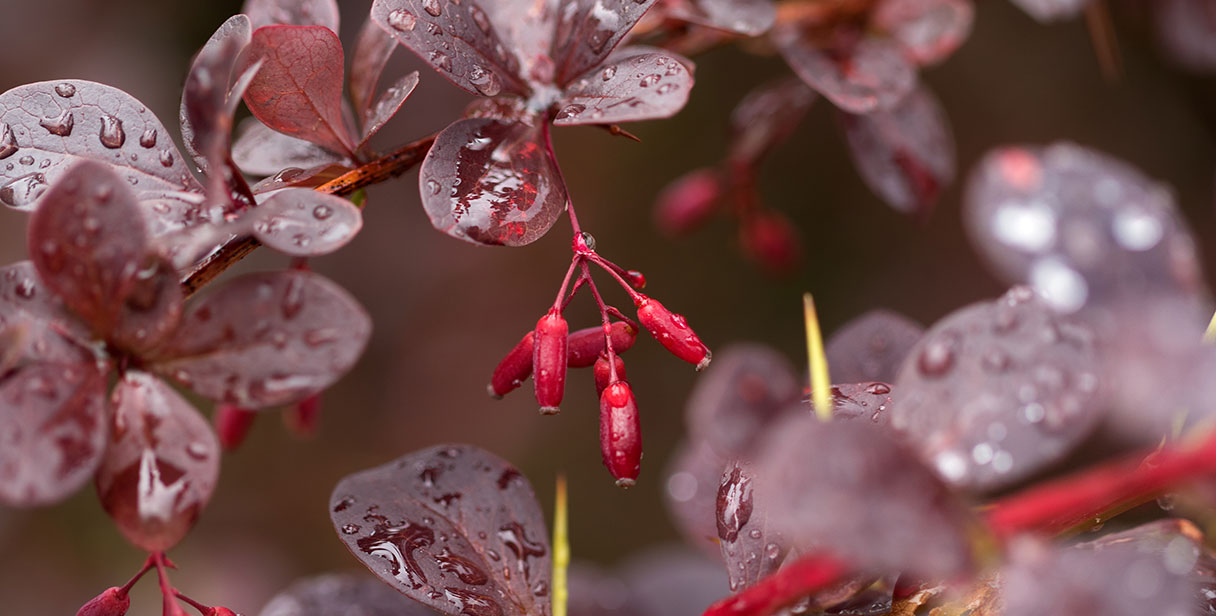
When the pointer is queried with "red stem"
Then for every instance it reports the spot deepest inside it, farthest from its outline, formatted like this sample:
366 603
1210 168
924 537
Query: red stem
166 589
792 582
599 301
126 588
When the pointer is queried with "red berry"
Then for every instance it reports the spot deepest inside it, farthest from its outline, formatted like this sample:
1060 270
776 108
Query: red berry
770 240
620 433
514 369
549 359
302 419
687 202
603 376
232 424
672 331
585 345
111 602
636 279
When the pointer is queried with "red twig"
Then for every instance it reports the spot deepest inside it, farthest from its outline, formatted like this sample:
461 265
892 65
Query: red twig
790 583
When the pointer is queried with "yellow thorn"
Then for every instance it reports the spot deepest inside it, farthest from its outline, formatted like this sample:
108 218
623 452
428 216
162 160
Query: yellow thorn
561 548
1209 336
817 361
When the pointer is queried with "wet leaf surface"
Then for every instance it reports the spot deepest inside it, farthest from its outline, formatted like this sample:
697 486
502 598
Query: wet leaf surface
160 465
766 117
998 390
387 106
871 347
373 48
746 17
741 393
751 547
588 30
867 402
858 73
39 328
267 339
451 526
303 222
633 84
492 182
292 13
204 111
53 427
262 151
1052 10
342 593
929 30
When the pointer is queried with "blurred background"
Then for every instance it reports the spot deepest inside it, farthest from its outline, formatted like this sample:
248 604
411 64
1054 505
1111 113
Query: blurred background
446 311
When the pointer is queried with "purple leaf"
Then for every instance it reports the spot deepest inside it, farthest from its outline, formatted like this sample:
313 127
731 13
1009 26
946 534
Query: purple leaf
751 547
292 13
298 90
905 153
999 390
1052 10
372 51
766 117
387 106
929 30
27 306
588 30
741 393
50 125
90 247
456 39
453 527
160 466
1086 230
303 222
857 72
1186 30
52 423
342 593
1182 548
867 402
263 151
746 17
527 25
594 592
849 488
267 339
691 491
492 182
666 581
871 347
294 176
634 84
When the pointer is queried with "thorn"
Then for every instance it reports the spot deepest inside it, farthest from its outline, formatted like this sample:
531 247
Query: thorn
561 548
616 131
817 361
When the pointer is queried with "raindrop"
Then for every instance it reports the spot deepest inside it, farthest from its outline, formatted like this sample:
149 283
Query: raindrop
350 529
937 357
666 88
432 7
65 90
570 112
112 135
441 61
60 126
26 160
598 41
609 72
650 80
402 20
485 81
322 212
23 190
8 141
479 18
588 239
166 158
433 186
148 138
878 389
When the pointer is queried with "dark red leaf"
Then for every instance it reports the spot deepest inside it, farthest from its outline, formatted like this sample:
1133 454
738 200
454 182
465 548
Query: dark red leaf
1052 10
691 490
303 222
372 51
262 151
387 106
53 426
849 488
36 326
746 17
632 84
160 466
292 13
455 38
453 527
751 546
866 402
859 73
666 581
905 153
91 248
1186 30
688 201
1182 548
298 90
527 25
492 182
998 390
871 347
745 389
342 593
49 126
588 30
766 117
1086 230
768 238
267 339
929 30
294 176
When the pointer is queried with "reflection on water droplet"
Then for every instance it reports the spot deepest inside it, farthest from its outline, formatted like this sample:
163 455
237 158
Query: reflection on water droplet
1136 230
66 90
441 60
166 158
937 358
432 7
24 190
649 80
402 20
148 138
609 72
112 135
461 567
433 187
8 141
350 529
60 126
485 81
26 160
570 112
322 212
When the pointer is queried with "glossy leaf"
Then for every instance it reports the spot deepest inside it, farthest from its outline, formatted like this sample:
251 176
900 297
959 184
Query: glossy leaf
262 151
387 106
50 125
294 176
451 526
1052 10
858 73
905 153
1181 547
267 339
588 30
929 30
39 328
492 182
849 488
160 466
741 393
456 39
690 491
342 593
373 48
999 390
865 402
871 347
303 222
90 247
1186 30
528 26
746 17
766 117
53 426
751 547
292 13
633 84
1086 230
298 90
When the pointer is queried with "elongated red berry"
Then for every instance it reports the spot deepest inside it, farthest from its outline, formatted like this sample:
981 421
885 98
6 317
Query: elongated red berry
586 345
672 331
514 369
603 375
111 602
232 424
770 240
549 357
636 279
687 202
620 433
302 419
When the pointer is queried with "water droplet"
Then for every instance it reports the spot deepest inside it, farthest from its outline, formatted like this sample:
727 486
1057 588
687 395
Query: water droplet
402 20
772 551
148 138
433 186
650 80
65 90
60 126
937 358
878 389
667 88
598 41
479 18
588 240
293 298
570 112
8 141
166 158
485 81
441 61
322 212
540 589
25 289
24 190
396 545
344 504
609 72
350 529
463 568
111 134
432 7
198 451
26 160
